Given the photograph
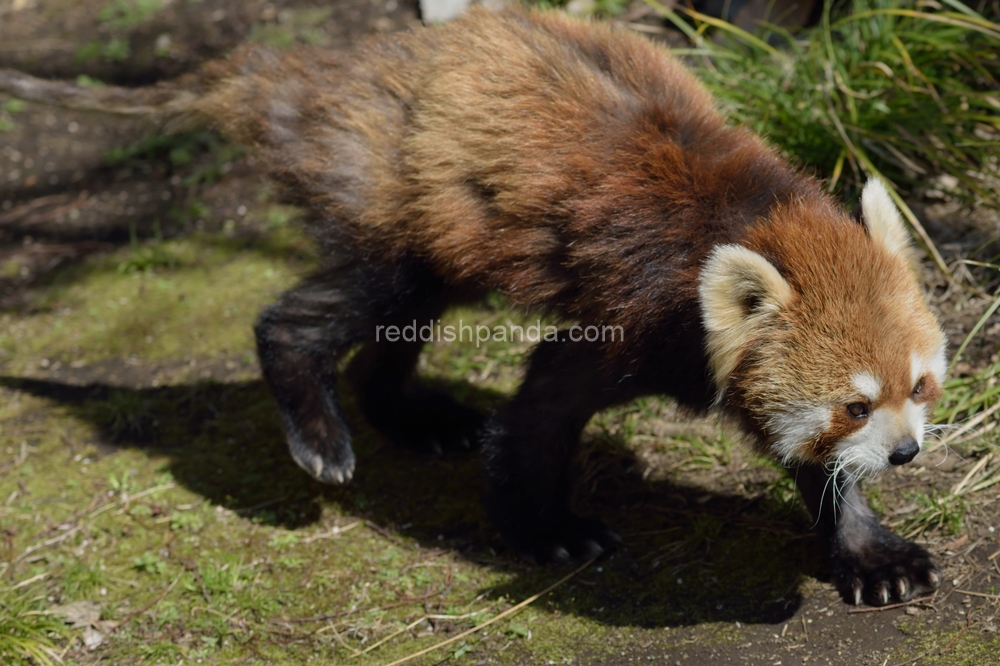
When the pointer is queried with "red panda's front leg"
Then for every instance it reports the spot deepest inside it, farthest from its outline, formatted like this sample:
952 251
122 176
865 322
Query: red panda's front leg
870 563
528 452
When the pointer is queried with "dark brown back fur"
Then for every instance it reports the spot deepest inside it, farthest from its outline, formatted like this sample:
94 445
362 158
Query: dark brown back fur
563 164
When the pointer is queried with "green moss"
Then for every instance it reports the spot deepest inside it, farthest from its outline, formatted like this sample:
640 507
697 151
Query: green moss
178 299
958 645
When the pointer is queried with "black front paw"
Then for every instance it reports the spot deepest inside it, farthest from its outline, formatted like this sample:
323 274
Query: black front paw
887 569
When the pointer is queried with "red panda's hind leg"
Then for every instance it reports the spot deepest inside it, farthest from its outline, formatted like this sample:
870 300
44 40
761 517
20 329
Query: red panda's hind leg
529 449
425 421
870 564
300 338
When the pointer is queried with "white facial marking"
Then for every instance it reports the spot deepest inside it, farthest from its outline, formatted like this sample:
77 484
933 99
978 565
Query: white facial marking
939 365
795 425
914 415
936 365
866 451
867 385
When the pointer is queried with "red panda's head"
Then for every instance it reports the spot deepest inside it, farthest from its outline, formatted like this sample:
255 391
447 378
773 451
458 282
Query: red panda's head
818 334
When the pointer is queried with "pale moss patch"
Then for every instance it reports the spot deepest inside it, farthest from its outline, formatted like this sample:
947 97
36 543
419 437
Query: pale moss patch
197 299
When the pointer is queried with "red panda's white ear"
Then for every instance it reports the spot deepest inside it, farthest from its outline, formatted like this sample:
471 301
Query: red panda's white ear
740 292
882 219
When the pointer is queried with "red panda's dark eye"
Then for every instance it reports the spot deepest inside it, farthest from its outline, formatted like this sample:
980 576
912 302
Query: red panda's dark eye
919 387
858 410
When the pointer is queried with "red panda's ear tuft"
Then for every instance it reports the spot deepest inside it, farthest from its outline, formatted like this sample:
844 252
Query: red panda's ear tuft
740 292
882 220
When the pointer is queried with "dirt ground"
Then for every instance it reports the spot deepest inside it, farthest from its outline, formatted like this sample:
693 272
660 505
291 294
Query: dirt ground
97 223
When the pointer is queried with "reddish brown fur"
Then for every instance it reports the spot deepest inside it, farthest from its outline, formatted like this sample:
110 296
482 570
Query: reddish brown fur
857 308
578 168
504 153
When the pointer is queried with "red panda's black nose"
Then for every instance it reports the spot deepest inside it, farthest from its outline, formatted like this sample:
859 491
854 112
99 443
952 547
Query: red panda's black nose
905 452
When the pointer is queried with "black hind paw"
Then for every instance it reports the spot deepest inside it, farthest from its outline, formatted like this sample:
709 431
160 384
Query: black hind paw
429 423
326 456
890 569
576 539
573 538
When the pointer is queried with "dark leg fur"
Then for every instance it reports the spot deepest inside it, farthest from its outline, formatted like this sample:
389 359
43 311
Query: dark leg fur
529 449
300 337
415 417
870 563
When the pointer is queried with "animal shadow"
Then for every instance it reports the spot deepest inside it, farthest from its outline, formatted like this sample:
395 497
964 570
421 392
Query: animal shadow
688 556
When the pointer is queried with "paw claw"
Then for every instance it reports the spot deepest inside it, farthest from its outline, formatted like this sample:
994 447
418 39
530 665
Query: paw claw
573 538
322 467
887 569
591 549
560 554
317 468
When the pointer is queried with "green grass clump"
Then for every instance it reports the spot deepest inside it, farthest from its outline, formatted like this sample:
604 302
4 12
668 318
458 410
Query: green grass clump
125 14
964 397
27 630
877 88
175 151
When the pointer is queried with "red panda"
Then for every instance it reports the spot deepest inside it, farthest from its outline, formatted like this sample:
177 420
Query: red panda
578 169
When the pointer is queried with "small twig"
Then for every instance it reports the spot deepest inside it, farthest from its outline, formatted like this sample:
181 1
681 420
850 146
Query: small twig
29 581
45 544
192 566
152 603
915 659
384 532
395 604
341 640
978 594
958 487
150 491
271 502
878 609
332 533
968 623
227 618
509 611
968 425
968 619
389 637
